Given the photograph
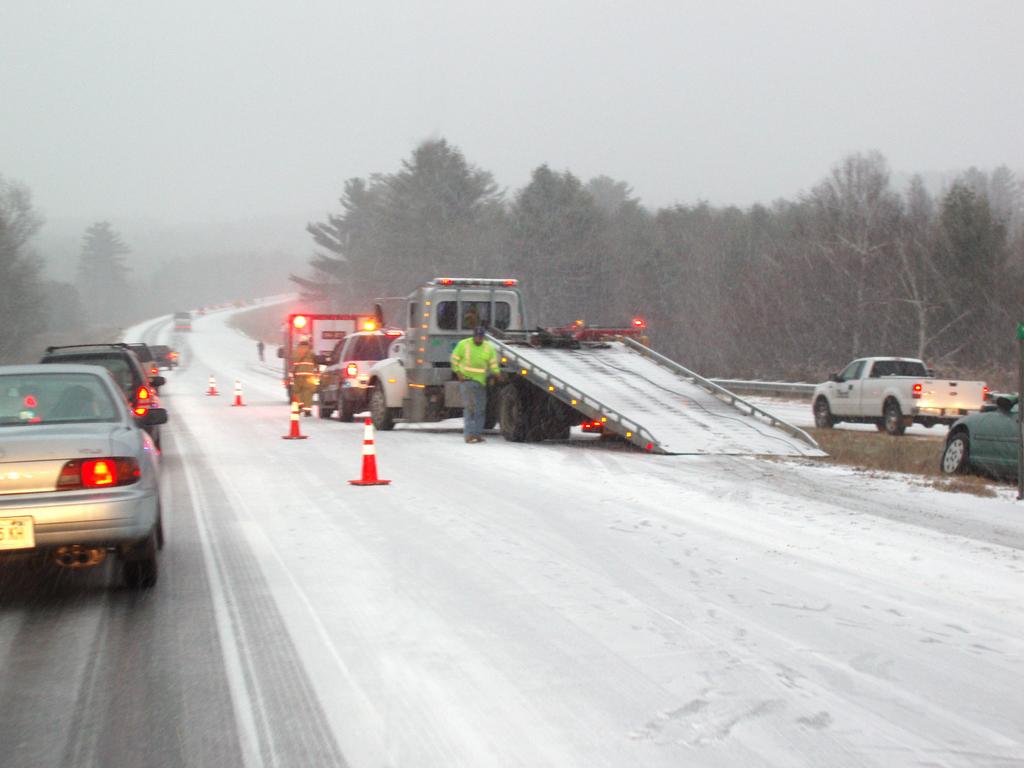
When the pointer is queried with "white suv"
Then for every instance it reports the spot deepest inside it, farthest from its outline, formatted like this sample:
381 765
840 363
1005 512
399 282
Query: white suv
345 383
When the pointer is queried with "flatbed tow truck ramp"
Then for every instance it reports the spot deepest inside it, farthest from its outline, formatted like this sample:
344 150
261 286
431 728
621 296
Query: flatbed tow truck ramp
652 401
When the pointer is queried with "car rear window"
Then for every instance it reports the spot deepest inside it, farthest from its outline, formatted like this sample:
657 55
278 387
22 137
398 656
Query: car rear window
54 398
898 368
120 369
370 348
467 315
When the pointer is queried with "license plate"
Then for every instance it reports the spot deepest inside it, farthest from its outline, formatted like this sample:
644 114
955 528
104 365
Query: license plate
16 533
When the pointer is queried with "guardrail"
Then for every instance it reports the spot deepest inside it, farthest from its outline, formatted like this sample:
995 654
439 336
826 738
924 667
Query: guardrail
775 388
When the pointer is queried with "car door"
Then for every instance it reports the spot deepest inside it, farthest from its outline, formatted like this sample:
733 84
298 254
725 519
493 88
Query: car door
994 441
847 391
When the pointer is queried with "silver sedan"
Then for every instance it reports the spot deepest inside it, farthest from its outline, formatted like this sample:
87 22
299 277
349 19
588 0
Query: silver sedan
79 476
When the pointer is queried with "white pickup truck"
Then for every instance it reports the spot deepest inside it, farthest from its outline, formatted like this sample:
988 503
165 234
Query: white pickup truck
892 393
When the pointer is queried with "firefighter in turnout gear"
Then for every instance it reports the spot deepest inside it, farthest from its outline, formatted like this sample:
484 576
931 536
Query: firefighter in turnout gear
305 374
475 363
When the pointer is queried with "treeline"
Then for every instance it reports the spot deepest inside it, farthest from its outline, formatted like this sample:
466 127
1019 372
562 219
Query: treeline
110 286
795 288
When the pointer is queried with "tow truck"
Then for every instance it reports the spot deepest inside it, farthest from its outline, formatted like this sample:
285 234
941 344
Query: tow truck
606 379
323 332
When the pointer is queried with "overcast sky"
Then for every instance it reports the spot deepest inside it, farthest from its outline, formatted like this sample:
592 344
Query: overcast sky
213 110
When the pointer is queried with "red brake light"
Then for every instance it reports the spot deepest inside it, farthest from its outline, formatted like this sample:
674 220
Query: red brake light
639 322
99 473
30 401
142 394
154 371
918 388
299 321
445 281
351 370
510 282
985 392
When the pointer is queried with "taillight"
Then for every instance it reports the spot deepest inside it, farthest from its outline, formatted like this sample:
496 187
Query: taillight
351 370
143 400
918 388
154 371
985 393
98 473
639 322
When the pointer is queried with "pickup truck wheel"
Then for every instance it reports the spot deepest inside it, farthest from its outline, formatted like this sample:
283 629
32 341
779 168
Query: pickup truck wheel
324 408
892 415
345 410
823 414
382 416
956 456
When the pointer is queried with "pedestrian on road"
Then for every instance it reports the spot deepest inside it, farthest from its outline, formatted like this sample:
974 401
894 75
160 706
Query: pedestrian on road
475 363
259 349
304 377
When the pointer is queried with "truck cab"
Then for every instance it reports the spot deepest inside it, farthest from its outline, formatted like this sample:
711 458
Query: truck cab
415 382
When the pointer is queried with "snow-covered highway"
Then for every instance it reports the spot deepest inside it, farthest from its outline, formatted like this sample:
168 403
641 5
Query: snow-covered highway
574 604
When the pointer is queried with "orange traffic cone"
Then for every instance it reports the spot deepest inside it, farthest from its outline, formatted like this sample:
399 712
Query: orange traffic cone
238 395
212 387
293 434
369 460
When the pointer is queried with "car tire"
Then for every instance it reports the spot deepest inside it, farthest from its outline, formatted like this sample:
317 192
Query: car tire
956 454
382 417
892 415
324 409
139 569
345 410
823 418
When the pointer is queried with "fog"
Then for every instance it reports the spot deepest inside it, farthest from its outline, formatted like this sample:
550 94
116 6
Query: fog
204 129
197 111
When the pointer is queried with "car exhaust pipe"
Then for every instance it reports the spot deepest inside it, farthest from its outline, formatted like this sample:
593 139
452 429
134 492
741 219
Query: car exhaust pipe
77 556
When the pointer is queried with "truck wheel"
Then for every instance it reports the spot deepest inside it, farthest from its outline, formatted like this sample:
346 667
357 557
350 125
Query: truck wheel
513 413
382 416
892 415
823 414
956 456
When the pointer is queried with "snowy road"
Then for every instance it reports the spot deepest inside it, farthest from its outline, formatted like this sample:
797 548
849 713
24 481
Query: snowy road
577 604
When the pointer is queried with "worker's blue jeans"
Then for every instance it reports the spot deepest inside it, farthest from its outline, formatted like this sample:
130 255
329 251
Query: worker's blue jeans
474 404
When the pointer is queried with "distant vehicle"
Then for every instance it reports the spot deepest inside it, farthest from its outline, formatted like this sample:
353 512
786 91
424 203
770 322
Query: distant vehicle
147 358
182 321
78 474
985 441
128 374
345 383
892 393
164 356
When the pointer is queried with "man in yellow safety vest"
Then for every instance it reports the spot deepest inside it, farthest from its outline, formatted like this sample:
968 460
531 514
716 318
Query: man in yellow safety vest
305 374
474 362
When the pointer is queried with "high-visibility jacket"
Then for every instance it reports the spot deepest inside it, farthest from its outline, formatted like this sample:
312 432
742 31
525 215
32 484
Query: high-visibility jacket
475 361
304 365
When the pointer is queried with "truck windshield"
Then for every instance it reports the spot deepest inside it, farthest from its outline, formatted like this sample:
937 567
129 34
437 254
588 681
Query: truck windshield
467 315
898 368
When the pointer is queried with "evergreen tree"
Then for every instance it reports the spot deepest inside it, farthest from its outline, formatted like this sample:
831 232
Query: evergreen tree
21 305
103 274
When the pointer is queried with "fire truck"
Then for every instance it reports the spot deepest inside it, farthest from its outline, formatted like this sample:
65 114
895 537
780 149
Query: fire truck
323 332
604 379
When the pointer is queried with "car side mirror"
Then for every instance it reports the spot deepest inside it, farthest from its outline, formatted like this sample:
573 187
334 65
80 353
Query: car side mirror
1004 404
157 381
280 351
155 416
835 377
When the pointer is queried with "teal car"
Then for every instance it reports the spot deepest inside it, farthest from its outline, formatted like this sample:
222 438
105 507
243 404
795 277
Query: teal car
984 442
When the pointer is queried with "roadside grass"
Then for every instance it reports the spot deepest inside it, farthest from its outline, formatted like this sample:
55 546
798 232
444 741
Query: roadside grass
908 454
